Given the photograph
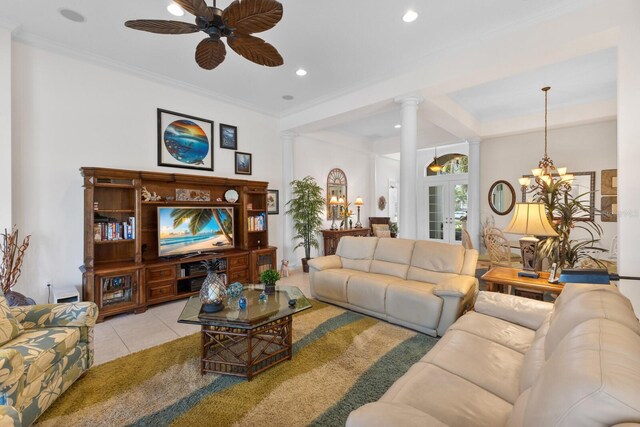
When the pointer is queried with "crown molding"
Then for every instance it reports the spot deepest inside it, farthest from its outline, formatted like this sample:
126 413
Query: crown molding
40 42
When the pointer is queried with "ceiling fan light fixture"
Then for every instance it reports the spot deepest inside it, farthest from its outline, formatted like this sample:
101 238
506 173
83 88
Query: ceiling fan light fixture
301 72
175 9
410 16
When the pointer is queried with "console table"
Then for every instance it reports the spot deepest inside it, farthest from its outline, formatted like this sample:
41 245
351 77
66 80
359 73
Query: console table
332 237
502 279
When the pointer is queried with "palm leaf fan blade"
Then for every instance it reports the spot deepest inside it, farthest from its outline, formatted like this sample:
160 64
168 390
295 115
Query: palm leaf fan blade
210 53
254 16
159 26
255 50
197 8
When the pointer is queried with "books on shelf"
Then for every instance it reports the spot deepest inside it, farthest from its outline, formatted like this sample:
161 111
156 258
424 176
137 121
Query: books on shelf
111 229
257 222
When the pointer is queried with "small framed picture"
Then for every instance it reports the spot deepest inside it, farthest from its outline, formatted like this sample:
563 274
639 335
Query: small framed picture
228 137
243 163
184 141
273 202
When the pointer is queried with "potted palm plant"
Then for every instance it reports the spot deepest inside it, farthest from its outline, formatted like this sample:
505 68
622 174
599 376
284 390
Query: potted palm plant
305 208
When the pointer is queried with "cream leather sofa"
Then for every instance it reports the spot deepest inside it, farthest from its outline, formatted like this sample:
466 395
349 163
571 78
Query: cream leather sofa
419 284
517 362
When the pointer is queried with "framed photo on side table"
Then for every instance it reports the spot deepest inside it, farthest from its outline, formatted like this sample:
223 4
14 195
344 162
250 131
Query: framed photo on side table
243 163
228 137
273 202
184 141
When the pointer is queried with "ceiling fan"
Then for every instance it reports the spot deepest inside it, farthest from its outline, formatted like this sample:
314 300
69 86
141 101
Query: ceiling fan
237 22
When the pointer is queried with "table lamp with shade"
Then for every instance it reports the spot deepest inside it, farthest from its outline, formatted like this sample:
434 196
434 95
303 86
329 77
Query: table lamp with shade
530 220
333 202
359 202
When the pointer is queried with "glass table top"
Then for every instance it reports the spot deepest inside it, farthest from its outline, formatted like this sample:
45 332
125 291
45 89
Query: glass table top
256 314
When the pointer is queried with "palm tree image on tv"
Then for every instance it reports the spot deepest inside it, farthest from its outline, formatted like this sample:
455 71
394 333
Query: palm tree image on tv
185 230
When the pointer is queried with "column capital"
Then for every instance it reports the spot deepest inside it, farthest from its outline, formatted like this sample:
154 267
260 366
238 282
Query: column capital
408 100
288 135
473 141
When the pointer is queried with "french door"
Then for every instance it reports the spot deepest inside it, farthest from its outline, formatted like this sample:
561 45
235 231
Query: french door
445 209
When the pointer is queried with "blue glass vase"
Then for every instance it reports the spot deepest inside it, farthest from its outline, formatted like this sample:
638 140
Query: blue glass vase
242 302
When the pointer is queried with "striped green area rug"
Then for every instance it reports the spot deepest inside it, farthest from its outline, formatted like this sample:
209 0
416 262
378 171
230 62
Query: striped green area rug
341 361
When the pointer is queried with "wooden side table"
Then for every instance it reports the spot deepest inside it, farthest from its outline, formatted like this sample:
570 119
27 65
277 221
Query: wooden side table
332 237
503 279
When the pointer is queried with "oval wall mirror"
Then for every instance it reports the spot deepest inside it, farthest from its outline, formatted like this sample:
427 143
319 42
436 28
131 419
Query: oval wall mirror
502 197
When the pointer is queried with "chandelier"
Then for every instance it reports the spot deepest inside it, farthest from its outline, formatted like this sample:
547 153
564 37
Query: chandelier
547 173
434 166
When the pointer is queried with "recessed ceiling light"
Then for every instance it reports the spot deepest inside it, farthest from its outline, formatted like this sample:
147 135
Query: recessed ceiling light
72 15
397 126
301 72
410 16
175 9
287 97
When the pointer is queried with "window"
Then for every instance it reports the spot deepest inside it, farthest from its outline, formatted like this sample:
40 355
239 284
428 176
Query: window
452 164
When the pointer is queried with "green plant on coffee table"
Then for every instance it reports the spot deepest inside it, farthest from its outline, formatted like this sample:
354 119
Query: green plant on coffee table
269 278
562 210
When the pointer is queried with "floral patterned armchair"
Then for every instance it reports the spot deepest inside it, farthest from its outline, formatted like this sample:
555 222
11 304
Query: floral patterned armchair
45 349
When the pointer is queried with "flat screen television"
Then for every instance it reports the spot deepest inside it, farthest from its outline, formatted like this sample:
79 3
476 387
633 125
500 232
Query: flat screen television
190 229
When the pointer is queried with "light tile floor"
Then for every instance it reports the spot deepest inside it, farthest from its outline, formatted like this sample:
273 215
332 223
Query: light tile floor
127 333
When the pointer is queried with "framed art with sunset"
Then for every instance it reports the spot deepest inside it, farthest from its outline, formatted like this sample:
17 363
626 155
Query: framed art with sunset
184 141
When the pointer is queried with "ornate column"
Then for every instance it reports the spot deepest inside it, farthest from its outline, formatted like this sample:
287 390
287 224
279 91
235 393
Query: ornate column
473 207
408 223
288 138
5 130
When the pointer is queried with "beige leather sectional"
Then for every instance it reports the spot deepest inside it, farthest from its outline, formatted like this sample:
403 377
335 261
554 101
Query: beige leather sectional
518 362
419 284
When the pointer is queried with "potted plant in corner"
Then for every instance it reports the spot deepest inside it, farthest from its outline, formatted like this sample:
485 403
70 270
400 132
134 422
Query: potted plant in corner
269 278
305 208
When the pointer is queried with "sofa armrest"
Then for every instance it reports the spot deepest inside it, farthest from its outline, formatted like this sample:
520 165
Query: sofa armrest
522 311
384 414
11 371
325 262
456 286
9 416
50 315
457 295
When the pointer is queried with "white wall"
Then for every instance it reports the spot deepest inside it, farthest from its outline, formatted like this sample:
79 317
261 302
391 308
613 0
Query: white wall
67 114
386 170
5 129
314 157
582 148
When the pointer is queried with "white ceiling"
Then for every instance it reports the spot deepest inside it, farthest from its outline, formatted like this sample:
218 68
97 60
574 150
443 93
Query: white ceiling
344 45
582 80
381 126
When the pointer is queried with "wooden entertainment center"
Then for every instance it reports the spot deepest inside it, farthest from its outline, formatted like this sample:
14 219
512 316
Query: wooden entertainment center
123 272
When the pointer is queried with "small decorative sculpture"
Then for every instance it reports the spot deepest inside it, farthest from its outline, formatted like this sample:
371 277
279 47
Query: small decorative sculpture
284 268
147 196
242 302
235 289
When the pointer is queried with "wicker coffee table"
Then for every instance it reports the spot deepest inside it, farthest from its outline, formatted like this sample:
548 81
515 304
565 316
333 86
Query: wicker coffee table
249 341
